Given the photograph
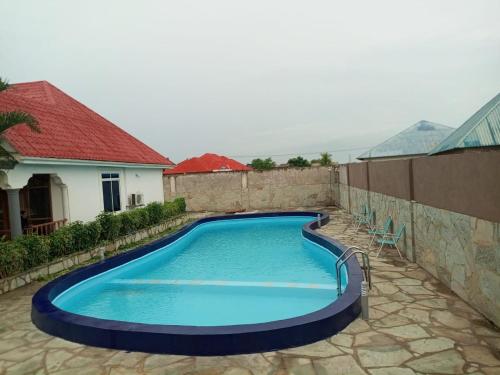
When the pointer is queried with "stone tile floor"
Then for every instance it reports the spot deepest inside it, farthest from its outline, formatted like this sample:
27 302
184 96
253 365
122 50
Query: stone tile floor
417 326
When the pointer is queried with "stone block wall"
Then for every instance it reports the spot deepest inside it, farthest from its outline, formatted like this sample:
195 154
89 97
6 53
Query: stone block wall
464 253
234 191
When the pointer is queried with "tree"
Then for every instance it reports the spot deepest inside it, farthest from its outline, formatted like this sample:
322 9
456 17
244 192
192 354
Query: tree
14 118
262 165
325 159
299 161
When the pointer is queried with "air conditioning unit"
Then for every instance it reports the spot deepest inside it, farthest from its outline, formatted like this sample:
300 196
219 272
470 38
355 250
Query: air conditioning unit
135 200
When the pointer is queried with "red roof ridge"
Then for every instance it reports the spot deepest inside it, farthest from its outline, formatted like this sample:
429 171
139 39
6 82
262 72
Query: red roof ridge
207 163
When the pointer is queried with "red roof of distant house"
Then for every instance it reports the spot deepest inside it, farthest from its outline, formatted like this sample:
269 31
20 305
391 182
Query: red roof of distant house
69 130
207 163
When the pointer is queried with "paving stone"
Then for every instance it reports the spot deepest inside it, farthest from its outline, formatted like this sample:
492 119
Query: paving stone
407 281
481 354
416 315
415 289
390 307
125 359
257 362
447 362
158 360
374 301
55 358
392 371
459 337
373 338
9 344
392 320
20 354
299 366
411 331
318 349
342 339
357 326
491 370
386 288
450 320
28 365
383 356
341 365
431 345
57 343
237 371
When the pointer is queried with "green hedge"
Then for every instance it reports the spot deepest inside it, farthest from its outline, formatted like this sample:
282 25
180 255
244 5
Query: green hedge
29 251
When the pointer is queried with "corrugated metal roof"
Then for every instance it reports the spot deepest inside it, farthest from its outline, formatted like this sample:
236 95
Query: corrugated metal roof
482 129
418 139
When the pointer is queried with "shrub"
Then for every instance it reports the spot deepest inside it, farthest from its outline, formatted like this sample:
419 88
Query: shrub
110 225
36 250
30 251
129 223
181 204
156 212
92 234
142 218
12 256
84 236
61 242
171 209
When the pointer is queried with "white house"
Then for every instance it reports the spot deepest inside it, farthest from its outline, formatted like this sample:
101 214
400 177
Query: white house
79 165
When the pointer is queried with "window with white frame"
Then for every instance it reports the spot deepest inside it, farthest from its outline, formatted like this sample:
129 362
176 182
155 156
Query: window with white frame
111 191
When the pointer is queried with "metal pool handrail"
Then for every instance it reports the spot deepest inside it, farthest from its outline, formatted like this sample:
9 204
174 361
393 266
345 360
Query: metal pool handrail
365 267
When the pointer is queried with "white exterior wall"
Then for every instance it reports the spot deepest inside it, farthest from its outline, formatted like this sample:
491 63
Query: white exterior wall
84 186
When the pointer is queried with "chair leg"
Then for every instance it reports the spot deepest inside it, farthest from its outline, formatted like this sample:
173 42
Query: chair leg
399 252
357 227
371 241
380 249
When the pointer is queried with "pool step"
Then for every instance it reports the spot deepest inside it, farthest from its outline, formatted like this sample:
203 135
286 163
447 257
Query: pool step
259 284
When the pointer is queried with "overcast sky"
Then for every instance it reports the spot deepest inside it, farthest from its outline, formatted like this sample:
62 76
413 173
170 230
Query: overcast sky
260 77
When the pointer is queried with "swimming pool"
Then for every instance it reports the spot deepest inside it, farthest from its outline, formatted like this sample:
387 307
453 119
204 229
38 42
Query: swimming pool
222 285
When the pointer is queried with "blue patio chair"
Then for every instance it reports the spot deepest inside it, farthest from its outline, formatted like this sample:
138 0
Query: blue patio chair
392 239
380 231
367 220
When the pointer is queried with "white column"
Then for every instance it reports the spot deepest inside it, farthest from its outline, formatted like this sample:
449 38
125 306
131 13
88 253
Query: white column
65 202
16 228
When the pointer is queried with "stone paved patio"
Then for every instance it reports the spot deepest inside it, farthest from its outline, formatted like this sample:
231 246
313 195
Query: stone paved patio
417 326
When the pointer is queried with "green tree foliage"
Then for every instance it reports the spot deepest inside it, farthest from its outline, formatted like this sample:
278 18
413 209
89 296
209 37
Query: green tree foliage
263 164
325 159
299 161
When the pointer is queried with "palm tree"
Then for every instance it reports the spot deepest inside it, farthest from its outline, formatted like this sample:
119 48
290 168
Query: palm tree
13 118
326 159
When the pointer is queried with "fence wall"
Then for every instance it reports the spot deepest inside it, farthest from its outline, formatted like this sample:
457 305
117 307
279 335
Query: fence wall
450 205
234 191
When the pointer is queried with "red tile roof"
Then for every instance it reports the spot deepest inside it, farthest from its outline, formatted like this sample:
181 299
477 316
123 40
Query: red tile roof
69 130
207 163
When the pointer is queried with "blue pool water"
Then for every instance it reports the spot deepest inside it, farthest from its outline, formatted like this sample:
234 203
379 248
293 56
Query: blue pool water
225 272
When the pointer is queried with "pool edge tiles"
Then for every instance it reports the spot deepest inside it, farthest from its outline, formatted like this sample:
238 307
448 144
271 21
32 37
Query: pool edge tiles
199 340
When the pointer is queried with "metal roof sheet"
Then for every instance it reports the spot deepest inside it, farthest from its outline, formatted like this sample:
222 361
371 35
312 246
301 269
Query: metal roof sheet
482 129
418 139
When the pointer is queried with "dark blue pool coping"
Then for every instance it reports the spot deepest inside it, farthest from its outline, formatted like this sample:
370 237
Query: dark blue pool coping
194 340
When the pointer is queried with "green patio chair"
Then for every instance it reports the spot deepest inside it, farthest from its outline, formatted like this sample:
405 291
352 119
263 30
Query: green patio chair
361 215
392 239
367 220
380 231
